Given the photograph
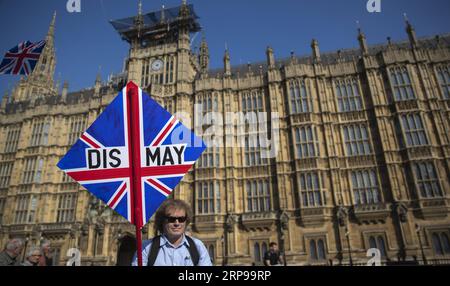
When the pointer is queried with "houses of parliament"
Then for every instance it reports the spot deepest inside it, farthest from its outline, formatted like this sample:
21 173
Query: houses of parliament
363 157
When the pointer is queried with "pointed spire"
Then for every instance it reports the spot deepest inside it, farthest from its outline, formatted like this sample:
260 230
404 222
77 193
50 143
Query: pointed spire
58 82
249 69
163 14
339 56
98 78
5 99
293 60
270 57
98 83
204 55
438 40
315 50
226 62
138 20
140 8
362 40
64 91
184 10
51 31
411 32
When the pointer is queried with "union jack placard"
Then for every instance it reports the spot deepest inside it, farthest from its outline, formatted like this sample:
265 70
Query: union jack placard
133 155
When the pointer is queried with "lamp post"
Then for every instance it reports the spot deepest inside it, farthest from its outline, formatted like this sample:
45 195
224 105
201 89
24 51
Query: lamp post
420 244
27 238
347 235
222 241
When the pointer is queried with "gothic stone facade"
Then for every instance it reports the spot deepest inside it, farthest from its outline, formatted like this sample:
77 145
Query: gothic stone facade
363 158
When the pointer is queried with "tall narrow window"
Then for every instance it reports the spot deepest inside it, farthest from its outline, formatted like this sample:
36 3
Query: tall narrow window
258 196
427 180
212 253
29 170
66 207
444 80
12 138
263 248
32 209
211 156
208 198
401 84
372 242
306 142
257 252
38 171
365 187
25 209
445 242
349 98
298 93
320 249
2 209
378 243
255 130
5 174
414 130
77 126
310 190
252 101
381 245
39 132
356 139
253 150
45 132
437 244
313 249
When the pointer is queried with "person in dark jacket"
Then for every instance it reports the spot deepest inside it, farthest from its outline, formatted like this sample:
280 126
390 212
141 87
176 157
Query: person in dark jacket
46 251
10 256
273 257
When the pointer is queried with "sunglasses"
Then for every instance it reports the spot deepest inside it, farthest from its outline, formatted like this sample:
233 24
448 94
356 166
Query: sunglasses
172 219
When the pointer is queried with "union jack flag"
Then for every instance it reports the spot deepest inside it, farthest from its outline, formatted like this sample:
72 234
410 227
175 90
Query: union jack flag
143 184
22 58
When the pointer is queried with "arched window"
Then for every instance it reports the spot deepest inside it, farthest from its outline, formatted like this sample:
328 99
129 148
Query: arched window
372 242
257 252
211 252
263 248
378 243
437 244
312 249
445 243
382 246
321 249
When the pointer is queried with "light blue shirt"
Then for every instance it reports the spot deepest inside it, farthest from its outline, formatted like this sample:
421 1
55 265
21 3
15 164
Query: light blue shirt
169 255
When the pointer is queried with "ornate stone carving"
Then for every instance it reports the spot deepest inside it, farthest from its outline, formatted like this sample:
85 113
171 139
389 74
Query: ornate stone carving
284 220
230 222
401 210
342 215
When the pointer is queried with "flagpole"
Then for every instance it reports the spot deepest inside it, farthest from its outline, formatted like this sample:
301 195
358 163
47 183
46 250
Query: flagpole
139 245
133 128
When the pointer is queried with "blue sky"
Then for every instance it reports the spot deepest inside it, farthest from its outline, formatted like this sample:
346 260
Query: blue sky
84 41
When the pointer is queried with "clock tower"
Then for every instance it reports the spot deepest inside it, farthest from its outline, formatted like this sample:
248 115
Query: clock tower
160 59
